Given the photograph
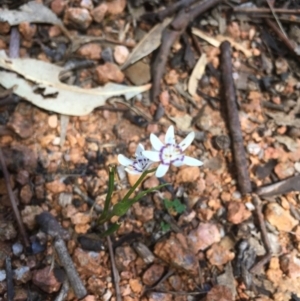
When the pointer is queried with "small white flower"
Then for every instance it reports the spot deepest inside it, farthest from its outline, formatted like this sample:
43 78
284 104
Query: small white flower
170 152
137 165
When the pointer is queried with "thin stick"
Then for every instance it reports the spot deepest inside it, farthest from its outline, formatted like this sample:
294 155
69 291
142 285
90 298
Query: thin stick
113 267
13 201
277 20
264 235
282 37
243 177
14 44
50 226
263 10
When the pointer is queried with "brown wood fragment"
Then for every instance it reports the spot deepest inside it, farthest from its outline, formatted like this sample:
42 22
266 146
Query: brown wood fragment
264 235
243 176
50 226
282 187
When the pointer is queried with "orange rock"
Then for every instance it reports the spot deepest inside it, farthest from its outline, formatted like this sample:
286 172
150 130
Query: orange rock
77 17
237 212
45 280
153 274
280 218
188 174
205 235
220 293
171 77
89 263
29 214
177 252
142 213
90 51
284 169
218 255
58 6
115 7
109 72
53 121
56 186
99 12
27 30
26 194
135 285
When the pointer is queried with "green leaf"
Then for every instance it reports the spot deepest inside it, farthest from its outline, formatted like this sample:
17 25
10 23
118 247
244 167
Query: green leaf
165 227
113 228
111 184
178 206
175 205
168 204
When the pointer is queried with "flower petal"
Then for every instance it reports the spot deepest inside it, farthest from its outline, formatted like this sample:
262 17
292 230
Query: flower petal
132 171
177 163
187 141
152 155
139 150
191 161
124 160
161 170
156 143
169 137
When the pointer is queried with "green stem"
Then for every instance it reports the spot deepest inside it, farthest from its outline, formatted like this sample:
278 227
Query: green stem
111 184
137 183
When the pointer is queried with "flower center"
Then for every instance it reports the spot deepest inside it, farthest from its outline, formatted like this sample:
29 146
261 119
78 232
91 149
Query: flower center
171 153
140 164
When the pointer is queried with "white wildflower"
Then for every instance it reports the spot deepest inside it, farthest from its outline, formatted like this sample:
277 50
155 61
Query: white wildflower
170 152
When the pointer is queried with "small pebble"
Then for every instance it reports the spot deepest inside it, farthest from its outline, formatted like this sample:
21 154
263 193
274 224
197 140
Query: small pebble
78 17
17 249
2 275
121 54
253 148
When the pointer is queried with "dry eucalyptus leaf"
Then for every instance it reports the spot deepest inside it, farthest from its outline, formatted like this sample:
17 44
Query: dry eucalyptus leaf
283 119
183 122
149 43
197 74
43 88
32 12
216 42
290 143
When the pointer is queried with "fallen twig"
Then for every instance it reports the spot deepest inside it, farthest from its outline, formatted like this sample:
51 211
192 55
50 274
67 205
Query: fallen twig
50 226
63 291
13 201
113 266
263 10
282 187
264 235
170 35
282 37
243 177
14 44
171 9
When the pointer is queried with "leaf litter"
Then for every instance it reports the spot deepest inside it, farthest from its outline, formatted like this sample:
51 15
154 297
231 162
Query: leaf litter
85 142
57 96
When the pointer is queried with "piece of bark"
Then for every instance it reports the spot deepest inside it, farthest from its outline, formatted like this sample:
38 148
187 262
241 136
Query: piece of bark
229 93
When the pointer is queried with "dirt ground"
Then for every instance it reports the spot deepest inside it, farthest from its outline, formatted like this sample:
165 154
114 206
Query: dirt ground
84 81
